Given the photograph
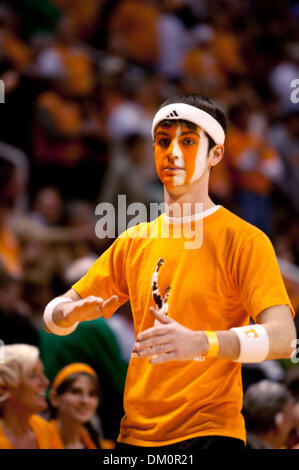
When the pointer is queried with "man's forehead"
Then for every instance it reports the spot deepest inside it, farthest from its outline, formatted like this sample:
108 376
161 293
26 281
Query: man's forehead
168 127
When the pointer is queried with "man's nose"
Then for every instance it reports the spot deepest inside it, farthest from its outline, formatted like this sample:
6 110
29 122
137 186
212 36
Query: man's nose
173 151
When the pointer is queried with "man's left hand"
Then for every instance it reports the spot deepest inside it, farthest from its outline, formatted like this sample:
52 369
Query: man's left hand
169 341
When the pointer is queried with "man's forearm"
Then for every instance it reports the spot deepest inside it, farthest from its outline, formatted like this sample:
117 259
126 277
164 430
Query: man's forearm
229 346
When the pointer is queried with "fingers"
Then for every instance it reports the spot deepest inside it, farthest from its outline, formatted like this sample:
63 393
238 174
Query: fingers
153 349
109 304
93 307
151 342
99 302
152 332
162 358
160 316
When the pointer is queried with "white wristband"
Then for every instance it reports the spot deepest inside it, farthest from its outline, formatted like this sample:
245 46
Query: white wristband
254 343
48 317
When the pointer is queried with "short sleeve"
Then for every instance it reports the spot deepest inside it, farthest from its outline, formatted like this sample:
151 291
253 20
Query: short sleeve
258 275
107 276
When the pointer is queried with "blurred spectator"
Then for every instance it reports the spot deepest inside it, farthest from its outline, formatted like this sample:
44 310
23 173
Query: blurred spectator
201 62
173 40
48 207
254 166
20 162
294 442
22 396
84 16
68 60
121 323
291 381
61 130
74 397
127 116
227 45
127 174
284 137
13 50
268 411
133 19
15 321
94 344
9 245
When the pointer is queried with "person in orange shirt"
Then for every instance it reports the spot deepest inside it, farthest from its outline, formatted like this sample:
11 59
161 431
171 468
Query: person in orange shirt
74 396
22 396
191 301
254 167
84 16
10 250
132 19
201 62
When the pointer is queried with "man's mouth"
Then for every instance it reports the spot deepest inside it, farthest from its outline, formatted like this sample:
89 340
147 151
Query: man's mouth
173 168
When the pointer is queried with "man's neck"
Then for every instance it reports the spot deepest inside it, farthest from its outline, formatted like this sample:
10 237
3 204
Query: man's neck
188 200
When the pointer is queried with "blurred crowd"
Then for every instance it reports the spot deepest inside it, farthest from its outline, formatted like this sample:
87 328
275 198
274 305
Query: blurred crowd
83 80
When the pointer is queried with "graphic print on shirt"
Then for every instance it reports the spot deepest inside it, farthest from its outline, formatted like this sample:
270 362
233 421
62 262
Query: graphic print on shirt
160 301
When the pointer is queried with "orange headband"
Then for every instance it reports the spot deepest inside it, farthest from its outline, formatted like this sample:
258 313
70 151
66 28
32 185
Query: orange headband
70 370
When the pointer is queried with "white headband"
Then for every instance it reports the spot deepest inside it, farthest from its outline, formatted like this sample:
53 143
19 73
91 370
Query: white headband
192 114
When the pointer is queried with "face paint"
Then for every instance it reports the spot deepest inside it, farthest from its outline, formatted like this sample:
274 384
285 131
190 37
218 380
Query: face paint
201 156
180 154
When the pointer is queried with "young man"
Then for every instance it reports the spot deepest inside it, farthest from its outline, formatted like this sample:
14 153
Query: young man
191 306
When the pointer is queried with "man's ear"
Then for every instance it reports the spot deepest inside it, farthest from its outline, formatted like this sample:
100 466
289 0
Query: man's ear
216 154
4 393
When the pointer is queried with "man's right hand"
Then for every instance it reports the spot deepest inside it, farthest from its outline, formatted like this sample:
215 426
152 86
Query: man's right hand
89 308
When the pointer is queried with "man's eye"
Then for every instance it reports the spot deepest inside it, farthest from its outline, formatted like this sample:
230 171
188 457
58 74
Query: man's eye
189 141
164 142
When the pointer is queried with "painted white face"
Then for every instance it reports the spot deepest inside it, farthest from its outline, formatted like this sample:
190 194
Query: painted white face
180 154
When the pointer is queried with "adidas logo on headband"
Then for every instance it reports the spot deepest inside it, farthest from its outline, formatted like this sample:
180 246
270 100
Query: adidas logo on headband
172 114
190 113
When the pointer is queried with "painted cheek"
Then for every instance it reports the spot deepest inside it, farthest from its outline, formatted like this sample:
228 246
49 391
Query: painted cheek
190 160
178 156
159 158
200 159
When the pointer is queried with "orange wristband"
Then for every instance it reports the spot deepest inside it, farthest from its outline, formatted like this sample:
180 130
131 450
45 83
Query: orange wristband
213 343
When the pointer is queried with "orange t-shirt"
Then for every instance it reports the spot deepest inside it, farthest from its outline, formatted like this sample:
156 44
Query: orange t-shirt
232 276
10 252
79 69
66 115
43 433
15 50
134 23
86 439
203 65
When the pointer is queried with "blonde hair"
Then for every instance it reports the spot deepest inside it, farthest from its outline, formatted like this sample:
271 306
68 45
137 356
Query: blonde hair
18 359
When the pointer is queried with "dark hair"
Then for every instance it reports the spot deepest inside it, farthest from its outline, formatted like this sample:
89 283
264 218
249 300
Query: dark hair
65 387
262 401
291 381
203 103
68 382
